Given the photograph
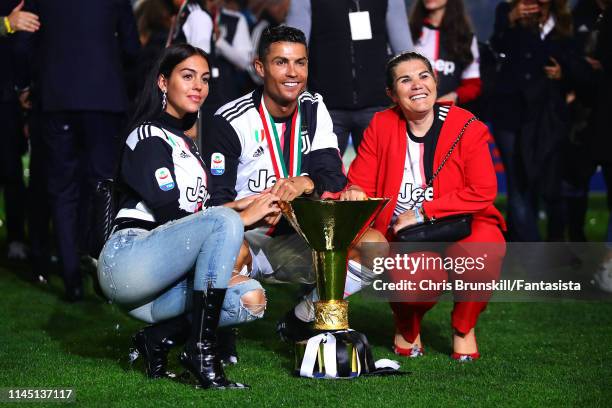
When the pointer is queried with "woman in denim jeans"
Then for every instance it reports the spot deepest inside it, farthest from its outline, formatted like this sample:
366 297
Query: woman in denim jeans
168 254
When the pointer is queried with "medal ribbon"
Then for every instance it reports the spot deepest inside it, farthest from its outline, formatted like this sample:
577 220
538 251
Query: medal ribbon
274 144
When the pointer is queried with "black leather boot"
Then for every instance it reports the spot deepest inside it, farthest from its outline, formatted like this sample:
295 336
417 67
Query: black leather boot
154 342
200 354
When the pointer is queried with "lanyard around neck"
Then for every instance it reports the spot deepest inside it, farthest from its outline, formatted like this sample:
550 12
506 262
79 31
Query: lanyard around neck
274 143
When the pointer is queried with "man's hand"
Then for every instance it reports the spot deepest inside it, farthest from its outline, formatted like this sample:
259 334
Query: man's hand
22 20
288 189
353 193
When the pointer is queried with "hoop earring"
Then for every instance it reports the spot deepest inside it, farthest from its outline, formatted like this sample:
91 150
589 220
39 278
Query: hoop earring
164 100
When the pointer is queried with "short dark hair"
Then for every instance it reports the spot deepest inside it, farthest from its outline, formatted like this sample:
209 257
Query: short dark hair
279 34
398 59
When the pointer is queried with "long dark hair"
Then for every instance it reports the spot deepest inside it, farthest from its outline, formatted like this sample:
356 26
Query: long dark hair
456 29
149 102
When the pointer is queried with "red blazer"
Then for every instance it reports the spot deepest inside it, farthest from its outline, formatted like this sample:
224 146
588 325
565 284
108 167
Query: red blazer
466 184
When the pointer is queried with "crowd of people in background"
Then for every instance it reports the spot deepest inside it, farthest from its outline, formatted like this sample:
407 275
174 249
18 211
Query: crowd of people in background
71 70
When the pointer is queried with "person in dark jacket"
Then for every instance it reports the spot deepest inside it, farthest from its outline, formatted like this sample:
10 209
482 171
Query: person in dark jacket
580 160
600 142
530 120
12 19
78 53
348 49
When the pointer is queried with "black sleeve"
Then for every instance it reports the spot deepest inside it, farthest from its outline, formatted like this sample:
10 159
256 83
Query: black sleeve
149 171
325 169
502 32
221 139
603 50
127 31
24 50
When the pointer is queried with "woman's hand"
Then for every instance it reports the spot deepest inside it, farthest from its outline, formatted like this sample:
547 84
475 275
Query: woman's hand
523 9
404 220
553 70
261 206
243 203
353 193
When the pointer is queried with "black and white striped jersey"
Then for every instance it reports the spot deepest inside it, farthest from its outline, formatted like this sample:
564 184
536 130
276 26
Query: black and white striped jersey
450 73
239 156
418 167
163 176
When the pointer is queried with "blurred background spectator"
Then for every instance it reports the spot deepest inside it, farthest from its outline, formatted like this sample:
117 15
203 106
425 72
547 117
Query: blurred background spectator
443 33
348 48
271 14
78 60
588 139
153 19
12 19
539 66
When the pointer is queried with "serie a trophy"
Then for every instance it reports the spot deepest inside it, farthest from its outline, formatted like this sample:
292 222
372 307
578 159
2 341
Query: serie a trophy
330 227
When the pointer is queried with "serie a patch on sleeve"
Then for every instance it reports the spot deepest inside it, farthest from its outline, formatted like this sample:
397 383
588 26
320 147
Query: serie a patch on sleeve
217 164
164 179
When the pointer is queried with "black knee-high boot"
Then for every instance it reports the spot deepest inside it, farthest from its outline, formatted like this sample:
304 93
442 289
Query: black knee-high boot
154 342
200 355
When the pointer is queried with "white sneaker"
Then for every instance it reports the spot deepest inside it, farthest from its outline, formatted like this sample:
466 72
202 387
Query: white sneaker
17 250
603 277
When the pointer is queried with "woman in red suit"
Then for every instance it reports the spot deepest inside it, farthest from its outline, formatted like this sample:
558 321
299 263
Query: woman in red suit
401 149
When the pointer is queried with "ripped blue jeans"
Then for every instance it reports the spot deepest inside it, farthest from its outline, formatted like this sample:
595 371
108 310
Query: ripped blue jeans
153 273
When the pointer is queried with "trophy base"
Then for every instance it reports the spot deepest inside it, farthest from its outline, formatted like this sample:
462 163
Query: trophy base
349 367
340 354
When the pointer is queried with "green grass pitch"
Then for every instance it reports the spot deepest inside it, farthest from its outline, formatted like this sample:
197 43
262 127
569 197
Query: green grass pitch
534 354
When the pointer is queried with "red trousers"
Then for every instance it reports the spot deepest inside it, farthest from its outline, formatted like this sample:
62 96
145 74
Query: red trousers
408 315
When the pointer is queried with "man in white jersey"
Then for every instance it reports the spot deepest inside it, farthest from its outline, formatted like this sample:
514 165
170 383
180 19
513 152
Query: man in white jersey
280 138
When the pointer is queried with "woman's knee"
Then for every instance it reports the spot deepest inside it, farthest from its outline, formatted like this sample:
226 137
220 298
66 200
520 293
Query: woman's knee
371 245
228 220
252 295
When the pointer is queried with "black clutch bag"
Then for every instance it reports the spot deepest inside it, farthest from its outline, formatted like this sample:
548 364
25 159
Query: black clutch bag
445 229
102 216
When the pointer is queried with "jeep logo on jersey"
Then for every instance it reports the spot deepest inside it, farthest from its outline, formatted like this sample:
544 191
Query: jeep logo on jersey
198 193
217 164
445 67
262 182
417 194
164 179
305 142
